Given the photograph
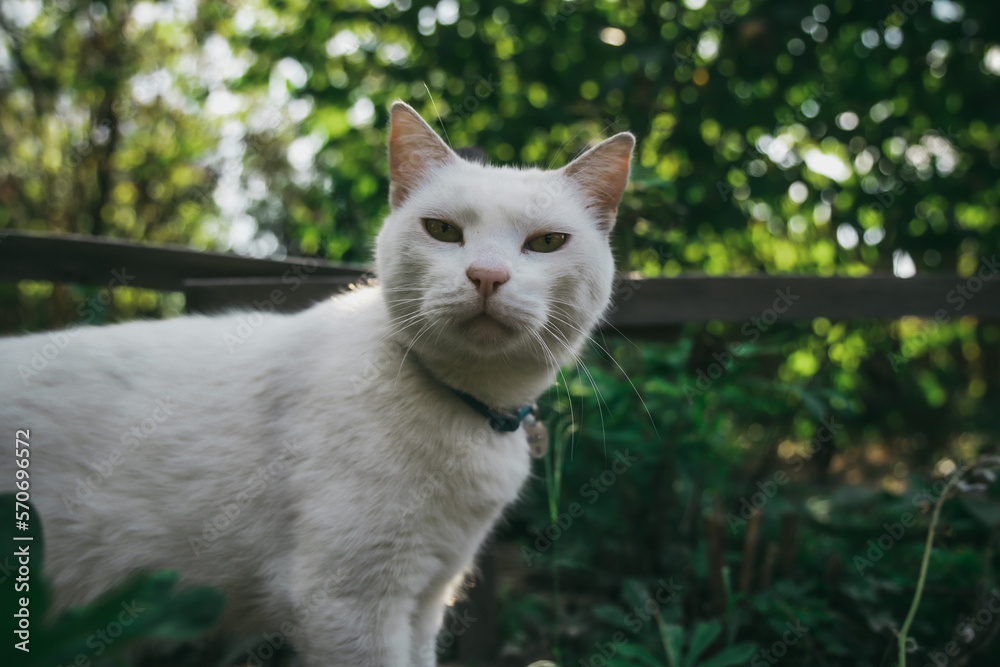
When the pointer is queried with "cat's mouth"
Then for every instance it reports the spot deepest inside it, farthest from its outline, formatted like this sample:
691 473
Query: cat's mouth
487 326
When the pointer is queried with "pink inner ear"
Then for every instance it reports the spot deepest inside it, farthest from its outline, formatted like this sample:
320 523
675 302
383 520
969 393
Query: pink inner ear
603 172
609 180
414 150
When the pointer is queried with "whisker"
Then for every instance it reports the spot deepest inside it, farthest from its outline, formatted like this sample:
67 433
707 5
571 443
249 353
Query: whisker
437 113
403 324
560 338
572 420
409 347
615 361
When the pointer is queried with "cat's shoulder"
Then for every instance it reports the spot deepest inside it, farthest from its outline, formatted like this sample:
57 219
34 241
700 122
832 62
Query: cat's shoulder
357 311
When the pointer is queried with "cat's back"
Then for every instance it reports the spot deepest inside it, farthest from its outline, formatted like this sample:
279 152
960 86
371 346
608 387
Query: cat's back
211 357
95 383
142 432
88 392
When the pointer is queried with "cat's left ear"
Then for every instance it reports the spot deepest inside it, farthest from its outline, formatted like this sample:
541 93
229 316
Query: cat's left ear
602 174
414 151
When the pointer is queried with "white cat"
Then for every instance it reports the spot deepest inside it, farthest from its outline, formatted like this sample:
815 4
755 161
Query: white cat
330 473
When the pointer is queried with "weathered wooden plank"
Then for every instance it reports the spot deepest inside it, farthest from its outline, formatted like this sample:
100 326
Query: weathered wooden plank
285 295
645 305
663 301
100 261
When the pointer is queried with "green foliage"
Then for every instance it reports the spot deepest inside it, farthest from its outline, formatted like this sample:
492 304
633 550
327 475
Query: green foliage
123 120
146 607
702 636
853 564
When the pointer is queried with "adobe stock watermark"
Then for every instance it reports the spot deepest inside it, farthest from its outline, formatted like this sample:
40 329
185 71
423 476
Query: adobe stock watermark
566 9
725 17
555 188
887 540
959 296
591 491
271 642
7 568
969 627
123 108
894 532
434 482
768 489
751 330
552 189
455 625
99 136
101 640
900 14
249 322
635 620
626 285
380 18
303 610
613 124
770 655
754 161
886 198
18 34
386 356
230 510
44 354
130 441
482 90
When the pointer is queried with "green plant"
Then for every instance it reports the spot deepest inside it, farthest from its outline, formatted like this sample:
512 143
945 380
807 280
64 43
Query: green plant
702 635
146 607
981 469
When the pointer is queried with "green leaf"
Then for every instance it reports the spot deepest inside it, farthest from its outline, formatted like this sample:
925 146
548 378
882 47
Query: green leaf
612 615
672 636
635 592
188 614
738 654
143 607
635 654
701 638
983 509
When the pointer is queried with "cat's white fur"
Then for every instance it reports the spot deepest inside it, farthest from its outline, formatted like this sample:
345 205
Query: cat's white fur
319 471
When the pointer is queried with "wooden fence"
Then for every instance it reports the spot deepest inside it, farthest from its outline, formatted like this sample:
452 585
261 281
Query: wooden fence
642 306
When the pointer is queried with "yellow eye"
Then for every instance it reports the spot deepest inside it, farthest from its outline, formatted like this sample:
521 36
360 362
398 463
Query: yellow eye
443 231
547 242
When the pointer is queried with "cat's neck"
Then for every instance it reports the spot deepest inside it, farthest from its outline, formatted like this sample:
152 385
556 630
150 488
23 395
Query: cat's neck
499 383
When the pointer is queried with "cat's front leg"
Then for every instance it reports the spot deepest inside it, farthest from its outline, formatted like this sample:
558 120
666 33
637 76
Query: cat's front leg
357 632
428 618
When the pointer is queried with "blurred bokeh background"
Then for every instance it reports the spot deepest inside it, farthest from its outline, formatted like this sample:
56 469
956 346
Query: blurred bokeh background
836 138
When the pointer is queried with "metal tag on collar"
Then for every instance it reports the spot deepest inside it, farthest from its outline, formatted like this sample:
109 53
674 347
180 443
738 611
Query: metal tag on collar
538 435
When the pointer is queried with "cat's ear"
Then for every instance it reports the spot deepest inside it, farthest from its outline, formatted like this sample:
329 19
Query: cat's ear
414 151
602 174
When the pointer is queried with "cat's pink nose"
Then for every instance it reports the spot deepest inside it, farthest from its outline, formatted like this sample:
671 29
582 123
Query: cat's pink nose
487 280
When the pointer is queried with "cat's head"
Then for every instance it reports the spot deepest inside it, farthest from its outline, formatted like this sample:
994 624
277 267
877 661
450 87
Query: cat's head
497 262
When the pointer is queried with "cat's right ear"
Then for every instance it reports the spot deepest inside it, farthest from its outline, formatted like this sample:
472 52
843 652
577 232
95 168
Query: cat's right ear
602 174
414 151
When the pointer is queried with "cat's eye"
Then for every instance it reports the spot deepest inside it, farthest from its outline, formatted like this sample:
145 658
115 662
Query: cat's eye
443 231
547 242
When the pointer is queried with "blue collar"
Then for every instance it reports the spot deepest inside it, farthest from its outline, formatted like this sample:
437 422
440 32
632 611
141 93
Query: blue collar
505 422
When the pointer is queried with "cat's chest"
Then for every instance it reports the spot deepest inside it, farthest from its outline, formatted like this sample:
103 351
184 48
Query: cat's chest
464 476
442 458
